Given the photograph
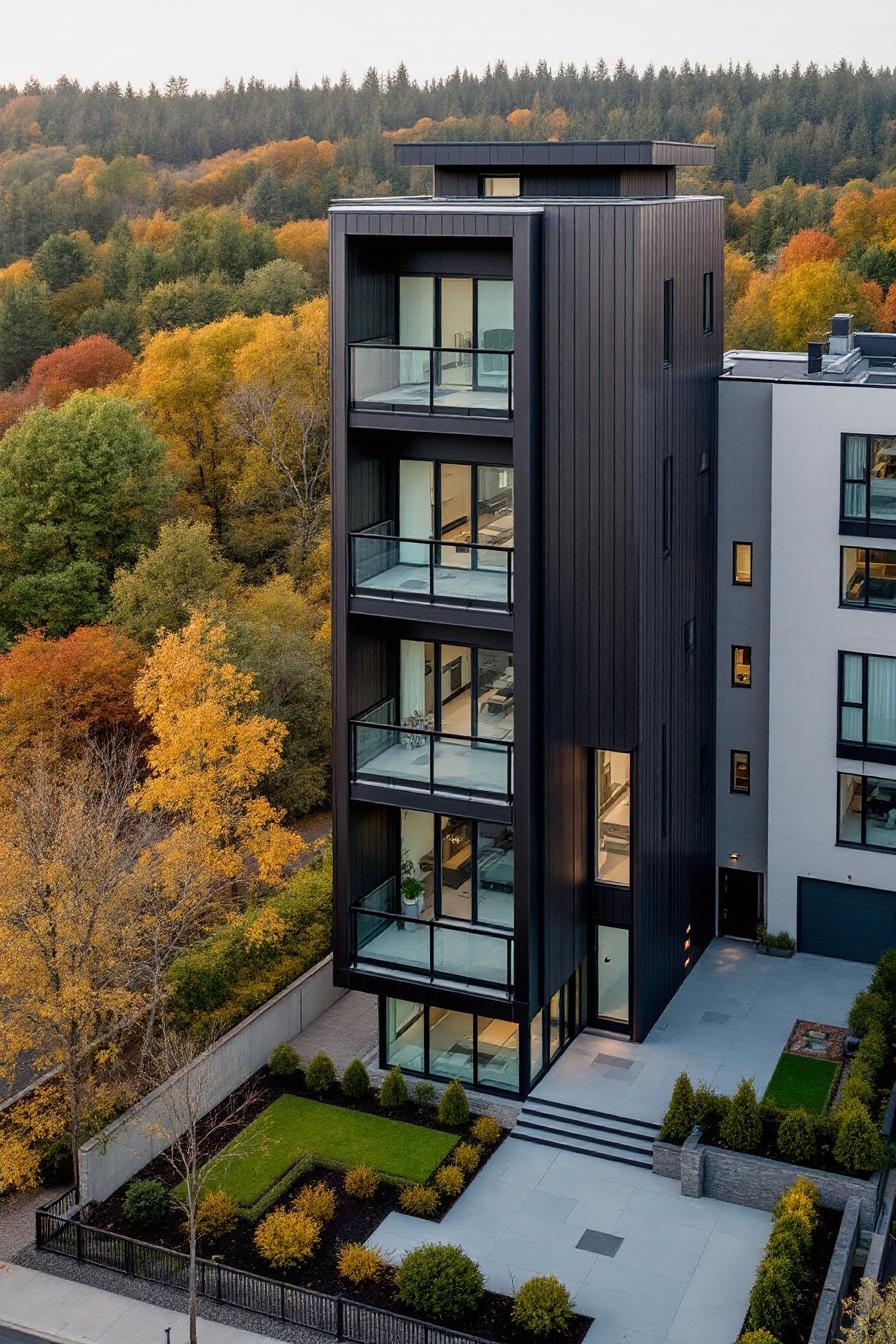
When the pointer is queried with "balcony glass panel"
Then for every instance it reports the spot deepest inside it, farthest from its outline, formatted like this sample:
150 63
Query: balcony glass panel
433 762
472 768
428 381
407 570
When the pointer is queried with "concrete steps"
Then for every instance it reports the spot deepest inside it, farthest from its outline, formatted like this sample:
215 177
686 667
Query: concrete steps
615 1138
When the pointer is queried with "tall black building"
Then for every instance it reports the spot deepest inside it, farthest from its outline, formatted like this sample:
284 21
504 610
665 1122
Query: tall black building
523 451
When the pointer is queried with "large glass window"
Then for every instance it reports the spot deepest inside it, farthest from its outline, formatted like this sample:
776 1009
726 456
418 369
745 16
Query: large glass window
507 184
474 695
416 310
868 700
867 578
451 1044
494 318
612 973
536 1045
613 821
473 880
417 862
494 874
457 868
494 694
498 1053
866 812
555 1017
494 507
868 492
405 1035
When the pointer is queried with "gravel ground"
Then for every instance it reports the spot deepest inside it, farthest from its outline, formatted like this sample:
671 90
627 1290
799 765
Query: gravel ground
158 1296
17 1219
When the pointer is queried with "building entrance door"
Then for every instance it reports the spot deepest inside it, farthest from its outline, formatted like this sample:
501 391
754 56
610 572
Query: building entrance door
740 903
611 979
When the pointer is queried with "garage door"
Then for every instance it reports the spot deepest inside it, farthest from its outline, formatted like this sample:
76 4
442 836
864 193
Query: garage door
837 919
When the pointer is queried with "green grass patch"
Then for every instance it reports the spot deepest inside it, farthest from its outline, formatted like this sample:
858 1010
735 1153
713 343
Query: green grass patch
801 1081
291 1128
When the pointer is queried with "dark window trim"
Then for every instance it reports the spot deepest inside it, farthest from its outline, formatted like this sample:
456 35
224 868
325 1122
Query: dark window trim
865 749
866 604
743 793
865 526
862 844
668 321
741 583
667 505
709 301
506 176
437 277
741 685
475 650
407 995
474 824
592 813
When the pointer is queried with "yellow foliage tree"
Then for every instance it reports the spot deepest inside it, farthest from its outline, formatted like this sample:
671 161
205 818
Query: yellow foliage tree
211 753
803 300
306 241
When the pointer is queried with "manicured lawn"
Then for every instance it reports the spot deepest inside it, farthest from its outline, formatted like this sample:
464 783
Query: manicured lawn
293 1126
800 1081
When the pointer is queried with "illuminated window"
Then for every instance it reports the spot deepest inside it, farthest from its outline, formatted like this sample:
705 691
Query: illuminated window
740 772
743 563
741 665
613 823
505 184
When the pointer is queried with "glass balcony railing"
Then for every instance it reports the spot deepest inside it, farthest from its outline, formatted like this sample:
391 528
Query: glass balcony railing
418 758
466 574
385 938
424 381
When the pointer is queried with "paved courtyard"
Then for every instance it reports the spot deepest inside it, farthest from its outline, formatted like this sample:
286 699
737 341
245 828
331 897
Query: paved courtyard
650 1265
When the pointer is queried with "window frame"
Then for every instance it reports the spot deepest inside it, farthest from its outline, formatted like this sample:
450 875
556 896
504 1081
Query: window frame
741 583
865 526
866 604
732 776
863 843
437 886
505 177
599 881
426 1072
847 748
709 302
668 321
438 703
742 685
667 505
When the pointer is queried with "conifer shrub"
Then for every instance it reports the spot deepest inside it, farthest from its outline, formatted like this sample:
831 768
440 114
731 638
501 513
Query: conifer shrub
454 1109
393 1090
773 1298
424 1094
316 1201
796 1138
542 1306
449 1180
358 1263
741 1129
320 1074
286 1238
680 1114
145 1203
710 1108
421 1201
361 1182
439 1281
355 1081
486 1130
869 1010
859 1147
284 1062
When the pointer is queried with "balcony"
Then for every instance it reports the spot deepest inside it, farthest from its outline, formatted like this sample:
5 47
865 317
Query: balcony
383 938
465 574
419 758
420 380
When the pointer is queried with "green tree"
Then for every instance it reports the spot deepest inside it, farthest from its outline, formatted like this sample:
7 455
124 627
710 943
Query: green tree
81 489
274 288
60 261
113 318
266 200
26 329
193 302
121 247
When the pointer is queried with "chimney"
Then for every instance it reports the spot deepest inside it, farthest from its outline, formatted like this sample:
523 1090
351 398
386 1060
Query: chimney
816 356
840 340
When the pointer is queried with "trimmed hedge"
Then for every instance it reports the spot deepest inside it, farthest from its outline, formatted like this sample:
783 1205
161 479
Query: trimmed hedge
216 984
786 1268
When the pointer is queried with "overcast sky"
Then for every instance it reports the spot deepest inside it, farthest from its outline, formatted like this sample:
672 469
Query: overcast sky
207 40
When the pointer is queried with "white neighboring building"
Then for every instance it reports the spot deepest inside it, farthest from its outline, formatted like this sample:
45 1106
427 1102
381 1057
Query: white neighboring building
806 681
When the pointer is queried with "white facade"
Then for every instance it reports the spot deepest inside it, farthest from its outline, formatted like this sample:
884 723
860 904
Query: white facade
807 629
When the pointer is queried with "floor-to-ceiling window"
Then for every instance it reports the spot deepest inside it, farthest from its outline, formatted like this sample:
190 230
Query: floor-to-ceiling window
472 696
612 974
473 877
481 1051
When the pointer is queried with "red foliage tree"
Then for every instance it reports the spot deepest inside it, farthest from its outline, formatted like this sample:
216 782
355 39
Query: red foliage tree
92 362
808 245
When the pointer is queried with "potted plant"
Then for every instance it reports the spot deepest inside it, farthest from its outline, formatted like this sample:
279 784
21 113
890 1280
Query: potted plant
411 890
774 944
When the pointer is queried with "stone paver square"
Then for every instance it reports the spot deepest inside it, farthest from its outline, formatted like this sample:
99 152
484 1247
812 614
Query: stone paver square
600 1243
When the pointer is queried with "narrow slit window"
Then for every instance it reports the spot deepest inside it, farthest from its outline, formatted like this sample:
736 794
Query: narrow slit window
708 299
743 563
740 772
741 665
668 320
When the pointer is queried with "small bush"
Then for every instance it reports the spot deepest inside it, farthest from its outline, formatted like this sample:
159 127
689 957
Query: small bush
320 1074
680 1114
741 1130
421 1201
796 1138
858 1088
757 1337
800 1200
883 981
542 1306
440 1281
449 1180
710 1108
772 1298
216 1215
361 1182
485 1129
872 1053
355 1081
467 1156
868 1010
286 1238
858 1147
145 1203
316 1201
424 1094
393 1090
284 1062
791 1240
454 1109
358 1263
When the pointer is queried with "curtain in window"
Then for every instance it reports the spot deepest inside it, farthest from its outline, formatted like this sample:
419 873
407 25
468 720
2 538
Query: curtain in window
882 701
854 469
851 717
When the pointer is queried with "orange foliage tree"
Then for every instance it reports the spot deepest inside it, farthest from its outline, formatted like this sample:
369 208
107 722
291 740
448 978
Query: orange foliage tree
306 241
808 245
94 361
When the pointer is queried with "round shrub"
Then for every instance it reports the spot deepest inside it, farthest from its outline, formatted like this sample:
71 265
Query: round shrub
485 1129
440 1281
316 1201
454 1109
449 1180
361 1182
858 1087
355 1081
741 1130
358 1263
872 1053
320 1074
757 1337
421 1201
424 1094
868 1010
858 1147
772 1298
791 1240
467 1156
883 981
286 1238
284 1062
542 1306
680 1115
393 1090
216 1215
796 1138
145 1203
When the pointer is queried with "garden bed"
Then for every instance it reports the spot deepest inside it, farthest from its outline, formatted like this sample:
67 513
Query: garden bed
802 1081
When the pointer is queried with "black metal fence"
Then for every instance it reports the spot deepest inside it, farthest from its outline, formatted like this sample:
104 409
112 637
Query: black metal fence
61 1233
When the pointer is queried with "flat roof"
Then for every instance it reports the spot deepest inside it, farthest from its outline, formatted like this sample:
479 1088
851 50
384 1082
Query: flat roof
871 362
491 205
553 154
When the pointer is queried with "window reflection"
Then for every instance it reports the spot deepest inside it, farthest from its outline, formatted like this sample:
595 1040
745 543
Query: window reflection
867 811
613 791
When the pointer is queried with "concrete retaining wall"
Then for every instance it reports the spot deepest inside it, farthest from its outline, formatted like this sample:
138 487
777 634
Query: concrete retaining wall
758 1182
110 1158
826 1326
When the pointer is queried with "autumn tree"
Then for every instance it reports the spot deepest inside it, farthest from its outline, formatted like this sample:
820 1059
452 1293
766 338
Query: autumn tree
94 361
212 752
808 245
803 300
274 288
306 241
184 570
81 489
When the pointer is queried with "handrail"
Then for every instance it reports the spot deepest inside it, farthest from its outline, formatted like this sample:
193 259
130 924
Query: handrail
384 343
383 391
359 952
430 783
373 552
430 732
368 533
